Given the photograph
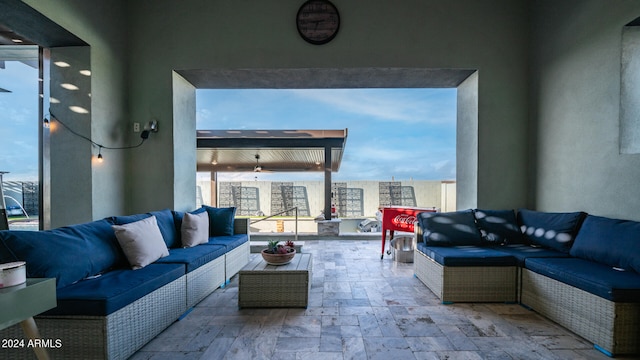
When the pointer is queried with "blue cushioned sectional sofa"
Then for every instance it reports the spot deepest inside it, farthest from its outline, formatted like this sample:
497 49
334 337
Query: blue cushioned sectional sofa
107 310
581 271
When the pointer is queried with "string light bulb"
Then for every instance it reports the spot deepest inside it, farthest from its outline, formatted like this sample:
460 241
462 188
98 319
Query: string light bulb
151 127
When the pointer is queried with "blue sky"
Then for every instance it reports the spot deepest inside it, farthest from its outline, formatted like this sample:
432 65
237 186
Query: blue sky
392 133
19 122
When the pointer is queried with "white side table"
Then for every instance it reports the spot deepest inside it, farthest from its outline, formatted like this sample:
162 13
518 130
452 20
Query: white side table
20 303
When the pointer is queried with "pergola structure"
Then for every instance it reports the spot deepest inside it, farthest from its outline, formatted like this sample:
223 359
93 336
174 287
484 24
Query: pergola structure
273 151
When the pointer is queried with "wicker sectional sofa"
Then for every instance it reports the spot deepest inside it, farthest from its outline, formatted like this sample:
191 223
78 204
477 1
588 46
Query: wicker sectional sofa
581 271
107 310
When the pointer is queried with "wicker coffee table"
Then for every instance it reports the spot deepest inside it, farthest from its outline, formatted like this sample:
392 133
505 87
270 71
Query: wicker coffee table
264 285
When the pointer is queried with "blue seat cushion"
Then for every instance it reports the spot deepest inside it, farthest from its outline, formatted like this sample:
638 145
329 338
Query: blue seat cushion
193 257
613 242
113 290
165 221
220 220
521 252
553 230
466 255
498 226
598 279
229 242
450 228
69 253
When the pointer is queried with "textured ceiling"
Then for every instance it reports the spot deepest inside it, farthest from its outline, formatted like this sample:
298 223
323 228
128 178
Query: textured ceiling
22 21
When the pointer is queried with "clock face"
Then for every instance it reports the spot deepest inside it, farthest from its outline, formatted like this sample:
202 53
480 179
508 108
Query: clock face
318 21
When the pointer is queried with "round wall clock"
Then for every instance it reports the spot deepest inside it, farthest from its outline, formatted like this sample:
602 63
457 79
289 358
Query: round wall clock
318 21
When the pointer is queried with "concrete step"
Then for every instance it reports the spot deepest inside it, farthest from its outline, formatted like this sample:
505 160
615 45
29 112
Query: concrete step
259 240
284 236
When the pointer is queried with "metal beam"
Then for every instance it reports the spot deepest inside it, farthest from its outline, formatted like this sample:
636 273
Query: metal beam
239 143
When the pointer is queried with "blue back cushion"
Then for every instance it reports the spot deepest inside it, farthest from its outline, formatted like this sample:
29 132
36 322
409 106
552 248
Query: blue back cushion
498 226
449 229
68 253
220 220
613 242
165 221
553 230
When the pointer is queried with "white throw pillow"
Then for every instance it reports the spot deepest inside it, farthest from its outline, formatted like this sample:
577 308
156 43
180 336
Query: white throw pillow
141 242
195 229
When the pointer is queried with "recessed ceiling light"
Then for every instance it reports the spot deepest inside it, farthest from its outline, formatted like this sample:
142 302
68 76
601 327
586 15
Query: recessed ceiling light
69 86
17 41
78 110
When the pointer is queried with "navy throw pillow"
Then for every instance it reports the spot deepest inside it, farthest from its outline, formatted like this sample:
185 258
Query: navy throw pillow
450 228
613 242
166 223
220 220
552 230
498 227
69 253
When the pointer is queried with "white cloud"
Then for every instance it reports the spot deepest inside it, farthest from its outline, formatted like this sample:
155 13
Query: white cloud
203 115
380 105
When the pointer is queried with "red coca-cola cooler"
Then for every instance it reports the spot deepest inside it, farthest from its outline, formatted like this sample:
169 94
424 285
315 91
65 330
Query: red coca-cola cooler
399 218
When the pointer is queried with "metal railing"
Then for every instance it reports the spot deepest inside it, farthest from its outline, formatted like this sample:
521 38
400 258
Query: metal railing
280 213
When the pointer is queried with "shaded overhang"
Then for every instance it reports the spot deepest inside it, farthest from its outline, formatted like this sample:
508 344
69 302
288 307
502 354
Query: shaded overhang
325 78
277 150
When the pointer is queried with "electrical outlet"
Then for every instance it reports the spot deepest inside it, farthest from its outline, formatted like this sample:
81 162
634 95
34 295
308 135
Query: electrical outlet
136 127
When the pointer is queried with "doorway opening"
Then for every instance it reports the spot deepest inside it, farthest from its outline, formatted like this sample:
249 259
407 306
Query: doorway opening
401 148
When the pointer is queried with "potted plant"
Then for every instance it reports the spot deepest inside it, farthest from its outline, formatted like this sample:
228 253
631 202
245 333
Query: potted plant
278 254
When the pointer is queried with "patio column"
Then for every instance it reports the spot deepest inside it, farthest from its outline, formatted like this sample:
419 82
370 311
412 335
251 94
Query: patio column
327 182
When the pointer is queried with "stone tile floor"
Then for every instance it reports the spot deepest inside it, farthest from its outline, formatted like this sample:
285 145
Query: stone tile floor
363 308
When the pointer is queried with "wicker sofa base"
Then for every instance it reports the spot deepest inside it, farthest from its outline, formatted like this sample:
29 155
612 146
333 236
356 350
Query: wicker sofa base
612 327
236 259
204 280
115 336
466 283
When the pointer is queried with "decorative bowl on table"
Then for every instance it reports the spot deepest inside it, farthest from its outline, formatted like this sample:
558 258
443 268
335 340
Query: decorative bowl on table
276 254
12 274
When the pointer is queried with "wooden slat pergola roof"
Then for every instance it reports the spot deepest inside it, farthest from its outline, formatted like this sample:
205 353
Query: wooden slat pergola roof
278 150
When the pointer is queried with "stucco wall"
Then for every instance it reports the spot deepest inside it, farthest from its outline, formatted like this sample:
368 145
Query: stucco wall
83 190
575 107
557 63
486 35
137 45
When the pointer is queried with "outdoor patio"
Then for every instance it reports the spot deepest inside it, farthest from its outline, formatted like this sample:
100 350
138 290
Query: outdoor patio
363 308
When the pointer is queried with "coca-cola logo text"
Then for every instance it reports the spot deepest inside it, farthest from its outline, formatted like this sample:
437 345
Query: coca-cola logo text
404 220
